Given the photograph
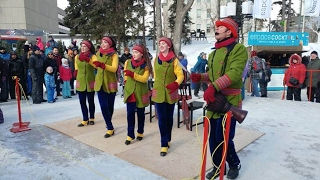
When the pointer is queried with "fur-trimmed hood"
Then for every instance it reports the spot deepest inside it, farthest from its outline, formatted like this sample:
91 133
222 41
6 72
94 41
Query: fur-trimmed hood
295 56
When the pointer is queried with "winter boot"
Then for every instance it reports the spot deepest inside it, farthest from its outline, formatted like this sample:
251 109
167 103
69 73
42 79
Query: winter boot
139 136
214 173
164 151
83 123
233 172
128 141
91 121
109 133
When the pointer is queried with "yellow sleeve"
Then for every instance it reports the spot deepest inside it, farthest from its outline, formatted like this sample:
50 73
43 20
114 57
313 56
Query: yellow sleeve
114 67
178 71
76 59
93 59
154 72
142 78
124 68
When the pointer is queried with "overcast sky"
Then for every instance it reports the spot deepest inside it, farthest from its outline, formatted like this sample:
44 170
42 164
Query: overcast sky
63 4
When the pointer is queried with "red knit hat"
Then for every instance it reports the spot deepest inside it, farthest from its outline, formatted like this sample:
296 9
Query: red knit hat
87 43
167 41
230 24
108 40
138 48
253 53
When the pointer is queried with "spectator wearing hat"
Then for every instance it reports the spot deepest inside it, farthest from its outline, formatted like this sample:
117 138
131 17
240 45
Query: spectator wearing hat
5 84
312 80
3 76
200 67
50 44
183 60
85 81
106 84
184 63
65 77
16 68
125 56
37 75
296 70
39 43
226 64
168 76
256 67
136 93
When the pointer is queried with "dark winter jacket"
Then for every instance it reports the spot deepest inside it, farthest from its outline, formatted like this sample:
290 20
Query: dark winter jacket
314 64
36 65
16 67
50 62
297 71
125 57
266 75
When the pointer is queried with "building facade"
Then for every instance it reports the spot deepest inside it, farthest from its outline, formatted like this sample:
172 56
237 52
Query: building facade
37 15
203 14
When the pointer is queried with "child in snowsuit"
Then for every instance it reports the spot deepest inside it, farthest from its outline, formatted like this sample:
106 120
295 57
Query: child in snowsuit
65 77
50 84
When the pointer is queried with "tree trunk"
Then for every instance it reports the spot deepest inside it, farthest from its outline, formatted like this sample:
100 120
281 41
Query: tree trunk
283 14
181 11
158 21
289 17
143 26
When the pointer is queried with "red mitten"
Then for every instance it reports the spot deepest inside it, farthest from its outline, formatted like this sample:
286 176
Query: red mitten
195 77
208 95
128 73
172 87
75 73
99 64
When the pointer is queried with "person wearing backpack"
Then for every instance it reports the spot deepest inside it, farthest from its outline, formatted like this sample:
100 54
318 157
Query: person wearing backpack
265 79
256 68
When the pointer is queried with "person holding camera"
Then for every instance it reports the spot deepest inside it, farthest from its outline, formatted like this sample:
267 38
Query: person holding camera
294 77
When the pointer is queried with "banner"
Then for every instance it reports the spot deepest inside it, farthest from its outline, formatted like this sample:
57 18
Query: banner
278 39
311 7
262 9
22 32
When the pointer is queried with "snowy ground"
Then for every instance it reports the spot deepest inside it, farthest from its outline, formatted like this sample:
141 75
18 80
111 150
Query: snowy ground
290 148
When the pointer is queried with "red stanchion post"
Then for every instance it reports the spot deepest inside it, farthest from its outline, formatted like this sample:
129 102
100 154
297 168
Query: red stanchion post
20 126
225 147
204 148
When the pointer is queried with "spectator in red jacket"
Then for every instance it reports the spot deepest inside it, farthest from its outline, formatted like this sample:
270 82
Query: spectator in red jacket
39 43
65 77
297 73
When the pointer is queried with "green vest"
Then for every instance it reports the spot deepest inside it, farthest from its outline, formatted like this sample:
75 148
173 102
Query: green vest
140 90
105 79
234 67
164 76
85 76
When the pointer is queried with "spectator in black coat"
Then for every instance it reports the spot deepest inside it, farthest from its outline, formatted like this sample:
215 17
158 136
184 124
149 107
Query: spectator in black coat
16 68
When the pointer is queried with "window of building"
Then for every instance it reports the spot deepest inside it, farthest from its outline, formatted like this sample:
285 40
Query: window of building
208 13
208 28
198 26
198 13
